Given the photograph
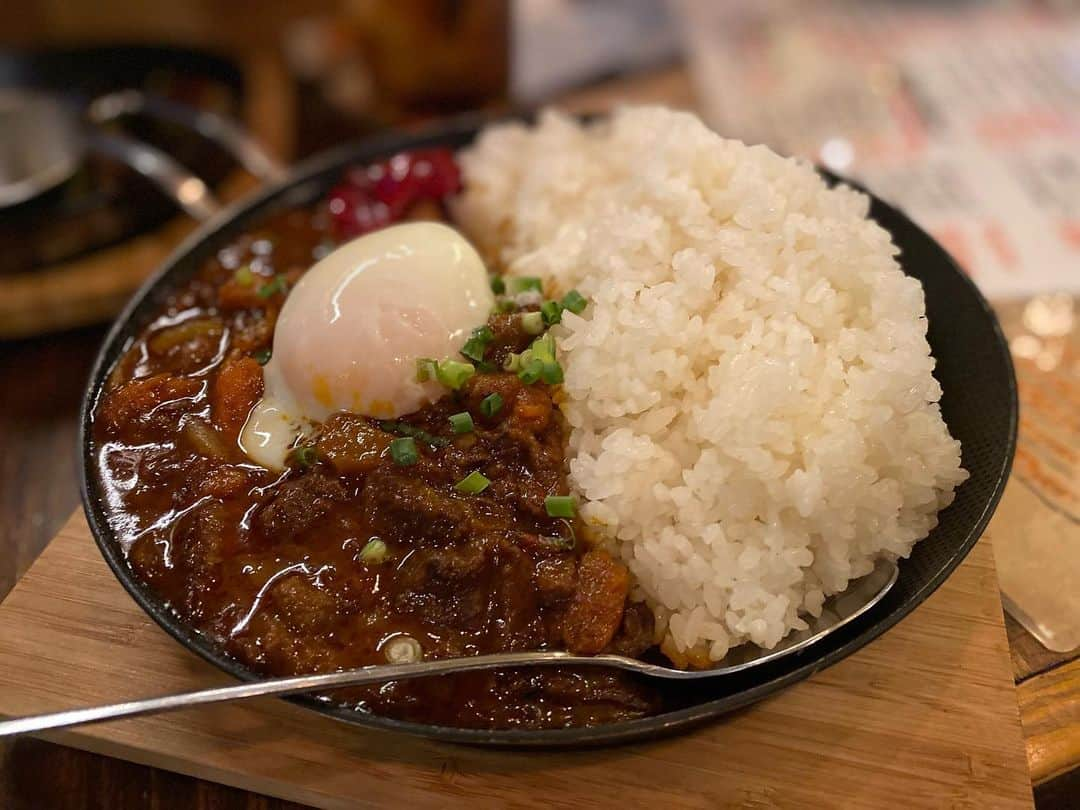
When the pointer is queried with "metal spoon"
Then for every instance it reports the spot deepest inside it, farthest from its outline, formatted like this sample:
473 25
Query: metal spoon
861 596
45 138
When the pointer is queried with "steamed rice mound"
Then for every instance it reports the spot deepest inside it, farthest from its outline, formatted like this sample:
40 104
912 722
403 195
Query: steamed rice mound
753 415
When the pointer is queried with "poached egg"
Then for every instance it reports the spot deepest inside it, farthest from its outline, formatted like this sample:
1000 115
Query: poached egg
351 330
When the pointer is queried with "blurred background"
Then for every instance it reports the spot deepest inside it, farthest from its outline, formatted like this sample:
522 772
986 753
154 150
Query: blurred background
966 114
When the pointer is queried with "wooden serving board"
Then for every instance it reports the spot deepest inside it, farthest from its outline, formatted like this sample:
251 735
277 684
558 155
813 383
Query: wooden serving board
926 716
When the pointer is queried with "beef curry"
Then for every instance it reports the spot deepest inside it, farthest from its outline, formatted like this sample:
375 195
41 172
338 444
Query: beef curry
350 557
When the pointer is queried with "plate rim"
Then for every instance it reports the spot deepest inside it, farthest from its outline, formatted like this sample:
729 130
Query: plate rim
462 128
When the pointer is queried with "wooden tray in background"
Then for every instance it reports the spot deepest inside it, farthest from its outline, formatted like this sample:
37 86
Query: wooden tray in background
924 717
92 288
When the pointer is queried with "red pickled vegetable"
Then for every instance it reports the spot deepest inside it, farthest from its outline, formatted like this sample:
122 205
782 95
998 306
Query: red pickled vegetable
382 193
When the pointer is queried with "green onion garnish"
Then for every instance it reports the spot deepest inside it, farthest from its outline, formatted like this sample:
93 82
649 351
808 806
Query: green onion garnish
404 451
505 305
453 373
374 552
304 456
543 348
425 369
472 484
490 405
574 301
461 422
551 312
271 288
557 542
244 277
530 372
512 362
562 542
498 286
560 506
477 343
551 373
262 356
532 323
520 284
405 429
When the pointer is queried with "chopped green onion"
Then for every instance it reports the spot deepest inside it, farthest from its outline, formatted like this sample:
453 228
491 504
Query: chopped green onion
453 373
560 506
425 369
505 305
530 372
374 552
520 284
498 286
485 367
543 348
461 422
532 323
551 311
512 362
574 301
472 484
491 404
305 456
405 429
271 288
404 650
477 343
262 356
563 543
551 373
404 451
559 542
244 277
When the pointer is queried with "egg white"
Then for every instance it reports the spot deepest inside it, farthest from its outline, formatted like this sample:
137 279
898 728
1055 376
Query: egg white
350 332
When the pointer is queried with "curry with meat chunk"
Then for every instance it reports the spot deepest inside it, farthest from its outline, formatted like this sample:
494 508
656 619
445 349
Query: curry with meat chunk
357 553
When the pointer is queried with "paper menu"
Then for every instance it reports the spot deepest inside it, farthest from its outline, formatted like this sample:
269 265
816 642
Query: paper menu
968 118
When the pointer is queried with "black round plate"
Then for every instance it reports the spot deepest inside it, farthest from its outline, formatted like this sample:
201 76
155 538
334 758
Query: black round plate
979 406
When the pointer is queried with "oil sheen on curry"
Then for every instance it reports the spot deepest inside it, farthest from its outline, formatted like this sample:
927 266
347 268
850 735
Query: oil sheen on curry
338 445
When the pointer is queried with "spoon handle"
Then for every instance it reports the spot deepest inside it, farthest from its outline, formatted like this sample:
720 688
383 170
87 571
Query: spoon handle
874 587
281 686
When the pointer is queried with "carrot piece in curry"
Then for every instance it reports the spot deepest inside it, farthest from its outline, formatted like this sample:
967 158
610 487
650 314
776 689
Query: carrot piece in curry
136 398
596 611
237 388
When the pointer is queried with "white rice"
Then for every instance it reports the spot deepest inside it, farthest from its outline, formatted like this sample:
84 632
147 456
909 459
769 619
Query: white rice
753 416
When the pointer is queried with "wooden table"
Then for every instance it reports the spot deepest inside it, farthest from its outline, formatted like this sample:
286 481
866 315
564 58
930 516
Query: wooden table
41 382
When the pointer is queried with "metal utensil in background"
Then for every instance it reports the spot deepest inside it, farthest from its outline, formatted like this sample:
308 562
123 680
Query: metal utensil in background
39 146
860 596
45 137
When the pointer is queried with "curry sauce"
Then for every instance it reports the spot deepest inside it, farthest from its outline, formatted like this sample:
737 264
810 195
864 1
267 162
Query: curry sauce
328 564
